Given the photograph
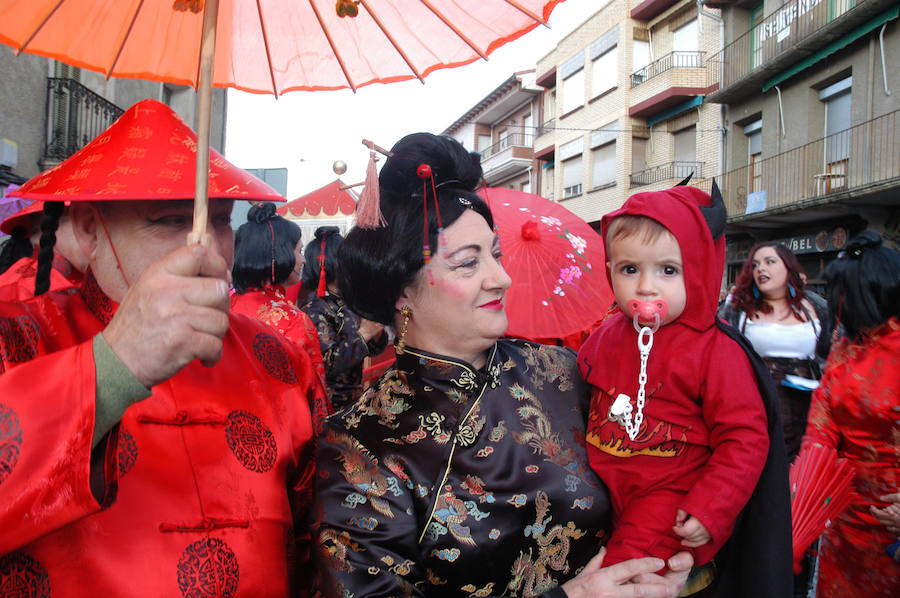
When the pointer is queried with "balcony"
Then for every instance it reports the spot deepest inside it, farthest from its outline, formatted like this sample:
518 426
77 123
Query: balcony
649 9
860 161
672 60
666 82
670 171
506 158
791 34
75 115
548 126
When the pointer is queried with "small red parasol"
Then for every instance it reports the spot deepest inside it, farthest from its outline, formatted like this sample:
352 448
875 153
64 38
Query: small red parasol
821 488
556 262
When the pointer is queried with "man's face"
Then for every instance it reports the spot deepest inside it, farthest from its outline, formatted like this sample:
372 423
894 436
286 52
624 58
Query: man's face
140 233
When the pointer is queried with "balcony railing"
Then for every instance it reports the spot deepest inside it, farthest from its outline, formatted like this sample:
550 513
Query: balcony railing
667 171
513 139
780 31
546 127
75 115
863 155
673 60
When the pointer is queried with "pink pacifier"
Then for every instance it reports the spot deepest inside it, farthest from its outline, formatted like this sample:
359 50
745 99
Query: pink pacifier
648 313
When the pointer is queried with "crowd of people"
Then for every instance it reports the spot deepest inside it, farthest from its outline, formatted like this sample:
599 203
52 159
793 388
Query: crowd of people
172 423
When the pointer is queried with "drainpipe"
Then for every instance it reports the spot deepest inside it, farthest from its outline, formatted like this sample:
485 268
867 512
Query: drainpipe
780 112
701 10
887 91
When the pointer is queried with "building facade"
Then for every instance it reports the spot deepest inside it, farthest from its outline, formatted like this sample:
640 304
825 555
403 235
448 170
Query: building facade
811 104
49 110
501 128
623 108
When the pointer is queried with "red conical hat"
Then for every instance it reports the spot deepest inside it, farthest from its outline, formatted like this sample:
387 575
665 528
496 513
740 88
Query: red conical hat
21 218
148 153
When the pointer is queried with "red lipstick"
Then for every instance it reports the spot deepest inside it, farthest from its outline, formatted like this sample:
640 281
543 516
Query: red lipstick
496 304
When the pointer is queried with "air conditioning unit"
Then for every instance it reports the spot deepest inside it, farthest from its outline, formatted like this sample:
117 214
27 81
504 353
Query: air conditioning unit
9 153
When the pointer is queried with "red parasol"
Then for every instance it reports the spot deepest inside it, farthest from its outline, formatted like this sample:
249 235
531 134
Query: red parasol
556 262
264 46
820 490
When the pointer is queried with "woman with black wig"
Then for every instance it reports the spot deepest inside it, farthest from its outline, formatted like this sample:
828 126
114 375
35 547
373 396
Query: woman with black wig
462 471
344 338
854 411
267 258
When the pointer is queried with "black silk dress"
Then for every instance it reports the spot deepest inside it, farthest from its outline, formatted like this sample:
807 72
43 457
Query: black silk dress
443 480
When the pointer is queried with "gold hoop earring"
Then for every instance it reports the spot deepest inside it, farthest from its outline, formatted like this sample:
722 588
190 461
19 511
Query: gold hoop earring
400 345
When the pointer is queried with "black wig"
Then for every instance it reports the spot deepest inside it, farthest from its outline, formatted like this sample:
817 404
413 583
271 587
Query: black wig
14 248
312 267
864 285
264 249
377 264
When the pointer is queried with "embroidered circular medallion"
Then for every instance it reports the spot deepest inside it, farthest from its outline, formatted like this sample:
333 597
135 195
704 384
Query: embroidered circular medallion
208 569
251 441
10 441
274 358
20 337
128 452
23 576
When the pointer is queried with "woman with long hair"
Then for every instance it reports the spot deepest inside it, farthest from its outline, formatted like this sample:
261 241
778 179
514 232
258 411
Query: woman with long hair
783 321
267 258
855 411
344 338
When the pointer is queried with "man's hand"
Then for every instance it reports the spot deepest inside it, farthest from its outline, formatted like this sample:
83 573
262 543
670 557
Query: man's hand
176 312
689 527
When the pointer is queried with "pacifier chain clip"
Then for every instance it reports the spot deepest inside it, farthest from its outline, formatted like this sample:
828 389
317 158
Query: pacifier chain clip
621 409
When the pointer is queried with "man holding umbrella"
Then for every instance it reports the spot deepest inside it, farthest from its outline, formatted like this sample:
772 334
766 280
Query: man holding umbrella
151 443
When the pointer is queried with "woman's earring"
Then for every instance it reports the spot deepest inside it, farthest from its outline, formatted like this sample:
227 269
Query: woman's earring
756 293
400 345
792 291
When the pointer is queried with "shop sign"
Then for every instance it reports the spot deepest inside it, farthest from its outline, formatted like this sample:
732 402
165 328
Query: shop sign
821 242
780 24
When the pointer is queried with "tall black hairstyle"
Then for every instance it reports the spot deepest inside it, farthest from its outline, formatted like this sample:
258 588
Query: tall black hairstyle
14 248
375 265
311 268
863 285
265 239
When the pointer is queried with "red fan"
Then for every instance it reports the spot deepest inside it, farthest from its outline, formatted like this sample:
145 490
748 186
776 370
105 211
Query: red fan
820 490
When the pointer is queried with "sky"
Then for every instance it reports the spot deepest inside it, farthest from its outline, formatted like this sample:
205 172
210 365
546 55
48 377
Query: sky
306 132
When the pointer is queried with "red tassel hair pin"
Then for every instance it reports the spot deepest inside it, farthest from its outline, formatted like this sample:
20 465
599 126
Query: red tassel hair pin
322 288
368 209
425 173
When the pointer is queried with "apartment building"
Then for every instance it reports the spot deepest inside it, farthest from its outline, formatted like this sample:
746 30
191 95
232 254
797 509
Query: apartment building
501 128
623 108
810 91
50 110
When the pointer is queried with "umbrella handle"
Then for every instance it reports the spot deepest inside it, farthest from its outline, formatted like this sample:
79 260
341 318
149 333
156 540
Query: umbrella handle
204 105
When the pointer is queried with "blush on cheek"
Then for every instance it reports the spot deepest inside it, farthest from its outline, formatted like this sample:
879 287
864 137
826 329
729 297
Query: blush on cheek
453 289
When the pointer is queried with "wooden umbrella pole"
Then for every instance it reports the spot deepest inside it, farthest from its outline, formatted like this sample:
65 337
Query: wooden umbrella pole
204 113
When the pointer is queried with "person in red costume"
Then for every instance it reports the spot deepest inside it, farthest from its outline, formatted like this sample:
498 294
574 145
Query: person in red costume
66 268
268 257
151 443
677 428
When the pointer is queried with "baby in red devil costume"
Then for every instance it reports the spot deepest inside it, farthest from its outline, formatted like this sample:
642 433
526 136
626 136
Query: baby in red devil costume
681 452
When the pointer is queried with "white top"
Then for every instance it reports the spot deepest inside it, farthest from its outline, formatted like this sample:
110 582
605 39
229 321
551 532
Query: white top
771 339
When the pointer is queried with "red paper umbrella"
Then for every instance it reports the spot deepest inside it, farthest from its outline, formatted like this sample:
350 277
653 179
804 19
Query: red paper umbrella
556 262
820 491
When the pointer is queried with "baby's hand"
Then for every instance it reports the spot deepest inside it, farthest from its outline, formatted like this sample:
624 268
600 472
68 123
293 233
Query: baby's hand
690 528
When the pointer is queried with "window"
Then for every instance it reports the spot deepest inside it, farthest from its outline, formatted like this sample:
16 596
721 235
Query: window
686 45
527 130
757 39
572 74
837 133
573 92
753 132
638 154
605 62
605 72
640 55
572 176
604 165
686 153
484 142
525 187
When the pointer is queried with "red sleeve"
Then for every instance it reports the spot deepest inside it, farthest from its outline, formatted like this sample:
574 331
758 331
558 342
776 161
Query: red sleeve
735 417
46 426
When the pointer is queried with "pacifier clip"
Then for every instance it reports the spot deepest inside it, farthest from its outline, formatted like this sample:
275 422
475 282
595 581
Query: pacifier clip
621 410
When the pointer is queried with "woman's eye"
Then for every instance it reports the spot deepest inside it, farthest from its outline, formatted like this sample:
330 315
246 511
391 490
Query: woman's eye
469 263
498 255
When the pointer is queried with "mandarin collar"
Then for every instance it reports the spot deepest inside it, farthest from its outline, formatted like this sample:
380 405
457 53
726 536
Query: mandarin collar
96 300
447 373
